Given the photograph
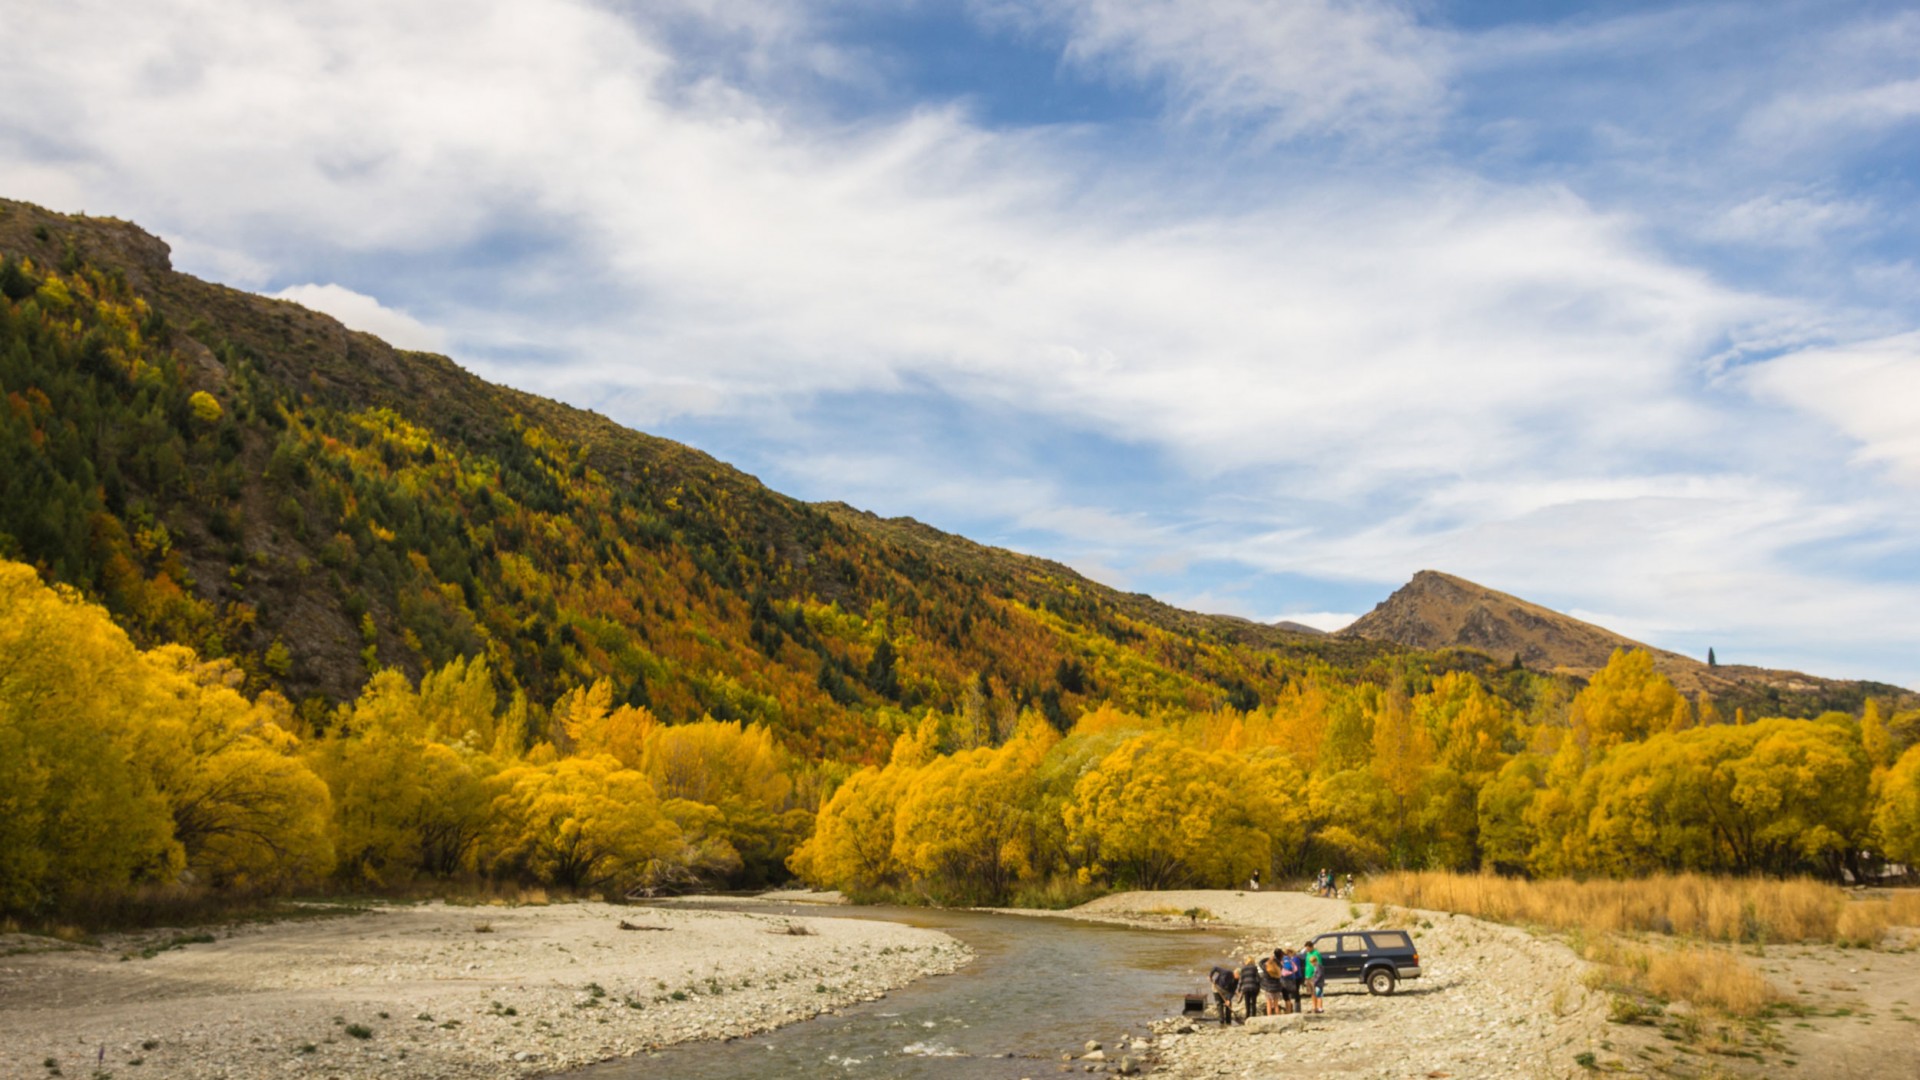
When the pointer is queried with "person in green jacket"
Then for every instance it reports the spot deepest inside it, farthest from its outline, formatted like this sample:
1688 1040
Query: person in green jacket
1316 978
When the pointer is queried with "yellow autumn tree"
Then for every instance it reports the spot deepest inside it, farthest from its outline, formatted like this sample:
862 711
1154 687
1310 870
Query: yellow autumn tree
963 829
79 816
1156 813
404 803
738 771
582 824
1470 725
1896 816
247 809
1403 753
852 843
1777 796
1626 700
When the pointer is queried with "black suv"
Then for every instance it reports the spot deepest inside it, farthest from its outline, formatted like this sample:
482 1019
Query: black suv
1379 958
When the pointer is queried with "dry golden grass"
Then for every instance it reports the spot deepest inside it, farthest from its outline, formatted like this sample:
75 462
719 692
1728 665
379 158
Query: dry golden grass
1758 910
1707 976
1710 976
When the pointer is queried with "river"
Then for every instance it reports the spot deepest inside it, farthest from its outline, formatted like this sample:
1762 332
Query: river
1038 987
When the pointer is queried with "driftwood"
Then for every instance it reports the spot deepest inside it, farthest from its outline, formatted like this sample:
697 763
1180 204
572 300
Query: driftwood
625 925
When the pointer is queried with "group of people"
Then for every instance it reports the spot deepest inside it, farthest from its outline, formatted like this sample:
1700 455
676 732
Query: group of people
1280 980
1323 883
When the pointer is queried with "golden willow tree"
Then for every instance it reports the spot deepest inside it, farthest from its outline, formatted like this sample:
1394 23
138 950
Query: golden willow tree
123 771
1626 777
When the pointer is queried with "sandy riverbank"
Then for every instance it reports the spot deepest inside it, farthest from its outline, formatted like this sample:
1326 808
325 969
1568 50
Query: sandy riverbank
439 991
1493 1001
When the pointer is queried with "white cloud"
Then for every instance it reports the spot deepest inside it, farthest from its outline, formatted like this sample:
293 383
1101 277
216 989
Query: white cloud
361 312
1869 390
1308 67
1795 219
1416 326
1800 118
1330 621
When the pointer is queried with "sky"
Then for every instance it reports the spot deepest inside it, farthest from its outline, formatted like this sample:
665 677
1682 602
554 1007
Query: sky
1259 307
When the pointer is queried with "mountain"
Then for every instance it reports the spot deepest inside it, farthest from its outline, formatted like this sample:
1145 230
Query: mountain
1441 611
253 479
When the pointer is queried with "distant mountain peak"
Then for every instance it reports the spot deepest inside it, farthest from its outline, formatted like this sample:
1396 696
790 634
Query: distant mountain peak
1437 610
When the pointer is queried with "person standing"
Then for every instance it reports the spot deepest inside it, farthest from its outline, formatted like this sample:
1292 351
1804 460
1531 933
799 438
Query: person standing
1254 885
1289 967
1250 986
1270 985
1315 976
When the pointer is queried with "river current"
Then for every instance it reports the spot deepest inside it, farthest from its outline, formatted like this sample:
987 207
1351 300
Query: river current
1037 988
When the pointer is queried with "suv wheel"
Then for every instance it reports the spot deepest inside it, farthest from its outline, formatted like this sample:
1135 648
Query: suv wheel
1381 980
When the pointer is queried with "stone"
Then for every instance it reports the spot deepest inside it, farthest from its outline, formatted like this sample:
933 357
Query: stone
1267 1025
1093 1044
1128 1067
1094 1055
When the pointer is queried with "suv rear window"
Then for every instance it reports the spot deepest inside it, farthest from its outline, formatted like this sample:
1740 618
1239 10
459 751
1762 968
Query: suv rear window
1393 940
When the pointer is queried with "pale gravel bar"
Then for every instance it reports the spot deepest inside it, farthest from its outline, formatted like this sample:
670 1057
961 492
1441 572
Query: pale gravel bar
277 1000
1493 1001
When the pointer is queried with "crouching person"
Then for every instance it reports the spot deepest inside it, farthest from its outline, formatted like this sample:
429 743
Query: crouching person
1226 985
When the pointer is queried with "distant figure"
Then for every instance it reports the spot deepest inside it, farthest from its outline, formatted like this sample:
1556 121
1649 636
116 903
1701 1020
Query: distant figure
1255 883
1315 977
1250 987
1326 882
1347 889
1225 984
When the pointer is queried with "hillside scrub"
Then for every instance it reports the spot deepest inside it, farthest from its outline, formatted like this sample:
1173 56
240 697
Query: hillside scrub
249 479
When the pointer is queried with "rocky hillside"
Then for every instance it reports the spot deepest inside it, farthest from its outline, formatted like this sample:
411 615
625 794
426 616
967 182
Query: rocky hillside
1441 611
252 478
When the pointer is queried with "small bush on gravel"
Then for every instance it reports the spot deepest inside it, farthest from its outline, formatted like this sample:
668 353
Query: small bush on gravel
360 1031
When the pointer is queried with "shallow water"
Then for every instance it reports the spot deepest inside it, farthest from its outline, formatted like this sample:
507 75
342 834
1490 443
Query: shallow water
1037 988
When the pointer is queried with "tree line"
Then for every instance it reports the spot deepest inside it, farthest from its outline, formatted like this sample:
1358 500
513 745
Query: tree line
1625 778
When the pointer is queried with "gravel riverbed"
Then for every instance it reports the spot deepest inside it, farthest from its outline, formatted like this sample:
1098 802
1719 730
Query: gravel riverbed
438 991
